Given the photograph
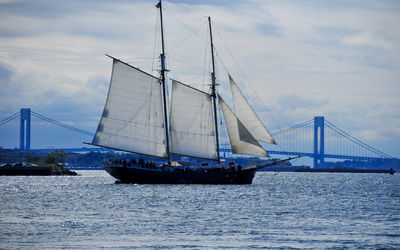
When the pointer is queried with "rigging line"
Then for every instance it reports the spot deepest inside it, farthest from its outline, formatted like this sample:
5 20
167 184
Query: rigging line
224 142
227 70
261 175
164 49
134 59
187 64
222 62
7 119
192 32
277 172
186 7
155 44
255 92
184 24
205 64
348 136
139 64
145 66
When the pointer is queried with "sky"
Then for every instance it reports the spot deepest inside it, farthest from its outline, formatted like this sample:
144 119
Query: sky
293 59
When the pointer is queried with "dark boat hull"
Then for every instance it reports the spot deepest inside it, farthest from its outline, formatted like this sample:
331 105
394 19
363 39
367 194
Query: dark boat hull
165 176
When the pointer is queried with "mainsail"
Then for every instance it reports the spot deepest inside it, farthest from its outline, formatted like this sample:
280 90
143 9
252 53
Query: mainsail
246 114
132 119
192 130
242 141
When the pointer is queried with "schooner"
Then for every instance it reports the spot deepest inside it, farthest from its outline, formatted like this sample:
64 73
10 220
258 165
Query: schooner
135 120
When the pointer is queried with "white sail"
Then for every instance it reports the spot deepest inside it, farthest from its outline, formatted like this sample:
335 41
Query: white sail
246 114
191 122
242 141
133 118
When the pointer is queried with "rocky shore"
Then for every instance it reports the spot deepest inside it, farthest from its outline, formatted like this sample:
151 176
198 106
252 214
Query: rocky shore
40 169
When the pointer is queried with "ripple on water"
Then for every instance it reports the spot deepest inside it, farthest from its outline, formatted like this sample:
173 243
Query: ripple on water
285 210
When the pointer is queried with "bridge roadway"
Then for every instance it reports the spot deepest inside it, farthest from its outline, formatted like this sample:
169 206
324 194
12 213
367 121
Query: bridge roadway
272 152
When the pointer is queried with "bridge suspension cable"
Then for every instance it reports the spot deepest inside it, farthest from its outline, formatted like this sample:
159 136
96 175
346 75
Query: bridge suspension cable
11 117
61 124
305 123
355 140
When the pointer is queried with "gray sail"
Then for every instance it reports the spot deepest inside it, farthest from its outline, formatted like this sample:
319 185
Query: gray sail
241 140
192 130
246 114
132 119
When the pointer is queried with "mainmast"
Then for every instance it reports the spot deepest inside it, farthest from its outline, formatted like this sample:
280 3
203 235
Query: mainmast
213 92
163 70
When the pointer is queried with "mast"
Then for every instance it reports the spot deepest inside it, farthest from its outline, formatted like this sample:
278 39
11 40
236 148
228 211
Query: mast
163 70
213 92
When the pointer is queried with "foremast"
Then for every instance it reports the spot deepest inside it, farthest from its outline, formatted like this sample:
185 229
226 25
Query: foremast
213 91
163 70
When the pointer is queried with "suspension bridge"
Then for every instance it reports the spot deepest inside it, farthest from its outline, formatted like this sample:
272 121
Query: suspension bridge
317 138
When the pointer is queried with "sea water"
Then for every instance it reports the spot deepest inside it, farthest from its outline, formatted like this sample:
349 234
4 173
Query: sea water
279 210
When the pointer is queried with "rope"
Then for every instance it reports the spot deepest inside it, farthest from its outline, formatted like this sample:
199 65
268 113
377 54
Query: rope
155 44
247 79
189 28
184 39
279 164
185 7
187 64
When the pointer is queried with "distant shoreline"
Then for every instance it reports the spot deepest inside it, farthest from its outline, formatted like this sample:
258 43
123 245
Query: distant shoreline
21 169
329 170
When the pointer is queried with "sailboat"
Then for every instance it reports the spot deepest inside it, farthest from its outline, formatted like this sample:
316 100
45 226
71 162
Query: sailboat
135 120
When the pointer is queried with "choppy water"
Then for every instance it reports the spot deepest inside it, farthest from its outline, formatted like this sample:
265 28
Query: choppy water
284 210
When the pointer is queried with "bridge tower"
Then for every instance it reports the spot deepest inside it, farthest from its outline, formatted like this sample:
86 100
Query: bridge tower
25 129
319 142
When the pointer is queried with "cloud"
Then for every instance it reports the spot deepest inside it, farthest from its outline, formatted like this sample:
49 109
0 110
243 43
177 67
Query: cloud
369 40
269 29
294 102
5 73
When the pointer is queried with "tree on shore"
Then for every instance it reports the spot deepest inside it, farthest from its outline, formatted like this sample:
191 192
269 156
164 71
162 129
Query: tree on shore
55 157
